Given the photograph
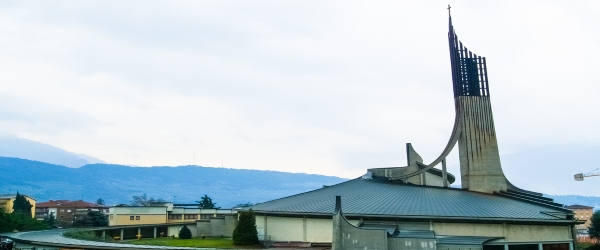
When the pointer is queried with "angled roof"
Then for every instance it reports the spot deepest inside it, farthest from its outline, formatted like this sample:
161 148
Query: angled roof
12 196
373 198
575 206
68 203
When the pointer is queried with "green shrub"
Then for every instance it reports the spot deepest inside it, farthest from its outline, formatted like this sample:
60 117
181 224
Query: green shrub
16 221
593 247
185 233
245 232
84 235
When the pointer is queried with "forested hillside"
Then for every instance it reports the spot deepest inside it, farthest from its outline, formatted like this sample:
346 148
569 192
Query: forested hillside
185 184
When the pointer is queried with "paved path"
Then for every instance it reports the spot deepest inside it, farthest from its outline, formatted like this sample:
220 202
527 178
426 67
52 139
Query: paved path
55 238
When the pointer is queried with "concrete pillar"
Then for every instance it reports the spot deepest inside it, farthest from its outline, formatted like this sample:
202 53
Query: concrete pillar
103 234
265 226
122 233
570 245
304 229
337 238
444 173
540 247
505 246
154 232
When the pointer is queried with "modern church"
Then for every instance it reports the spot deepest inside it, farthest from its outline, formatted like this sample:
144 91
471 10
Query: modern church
413 207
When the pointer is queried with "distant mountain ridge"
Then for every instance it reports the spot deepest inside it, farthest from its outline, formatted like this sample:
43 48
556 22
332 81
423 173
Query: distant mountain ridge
11 146
184 184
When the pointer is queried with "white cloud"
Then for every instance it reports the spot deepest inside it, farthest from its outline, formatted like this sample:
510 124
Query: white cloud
329 87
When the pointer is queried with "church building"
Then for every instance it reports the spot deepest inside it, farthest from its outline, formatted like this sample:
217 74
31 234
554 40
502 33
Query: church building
414 207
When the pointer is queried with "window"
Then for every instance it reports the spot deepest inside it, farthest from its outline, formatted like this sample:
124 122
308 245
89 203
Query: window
69 210
523 247
131 217
563 246
110 217
205 216
62 210
137 217
493 247
191 216
175 216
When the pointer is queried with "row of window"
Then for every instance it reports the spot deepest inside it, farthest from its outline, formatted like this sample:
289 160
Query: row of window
179 216
560 246
191 216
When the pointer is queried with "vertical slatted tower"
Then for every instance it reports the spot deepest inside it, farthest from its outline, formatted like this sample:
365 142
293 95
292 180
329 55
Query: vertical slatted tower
480 167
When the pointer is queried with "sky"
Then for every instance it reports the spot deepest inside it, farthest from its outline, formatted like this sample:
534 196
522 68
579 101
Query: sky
324 87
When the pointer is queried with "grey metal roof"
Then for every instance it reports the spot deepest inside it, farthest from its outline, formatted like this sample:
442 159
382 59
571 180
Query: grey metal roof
420 234
369 197
390 229
464 240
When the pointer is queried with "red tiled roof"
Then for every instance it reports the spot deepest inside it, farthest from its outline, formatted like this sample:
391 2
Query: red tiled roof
68 203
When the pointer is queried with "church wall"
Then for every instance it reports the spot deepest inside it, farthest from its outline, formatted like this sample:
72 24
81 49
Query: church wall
285 228
411 244
517 233
433 180
318 230
468 229
511 232
296 228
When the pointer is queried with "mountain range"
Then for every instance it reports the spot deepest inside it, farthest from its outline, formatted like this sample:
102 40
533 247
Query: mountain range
47 172
116 184
12 146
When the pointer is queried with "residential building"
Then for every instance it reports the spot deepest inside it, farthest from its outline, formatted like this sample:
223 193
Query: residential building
582 213
66 211
7 202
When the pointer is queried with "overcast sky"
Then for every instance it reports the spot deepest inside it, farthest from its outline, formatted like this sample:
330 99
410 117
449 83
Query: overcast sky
326 87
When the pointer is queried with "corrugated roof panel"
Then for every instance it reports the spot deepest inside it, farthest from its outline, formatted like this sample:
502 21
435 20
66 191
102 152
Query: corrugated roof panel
464 240
382 198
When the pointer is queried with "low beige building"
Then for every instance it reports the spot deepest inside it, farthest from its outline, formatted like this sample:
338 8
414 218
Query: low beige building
161 213
166 219
7 202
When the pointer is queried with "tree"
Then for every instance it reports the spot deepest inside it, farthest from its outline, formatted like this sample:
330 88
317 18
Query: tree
100 202
245 232
50 220
91 219
22 206
207 203
185 233
143 200
140 200
594 229
20 222
98 219
247 204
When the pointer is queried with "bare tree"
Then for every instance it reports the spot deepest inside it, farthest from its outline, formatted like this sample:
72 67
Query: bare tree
143 200
140 200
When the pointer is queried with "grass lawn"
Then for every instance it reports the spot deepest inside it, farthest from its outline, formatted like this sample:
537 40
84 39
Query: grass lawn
193 242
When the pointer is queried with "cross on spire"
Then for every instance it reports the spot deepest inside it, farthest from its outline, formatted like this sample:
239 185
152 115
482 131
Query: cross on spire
449 10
